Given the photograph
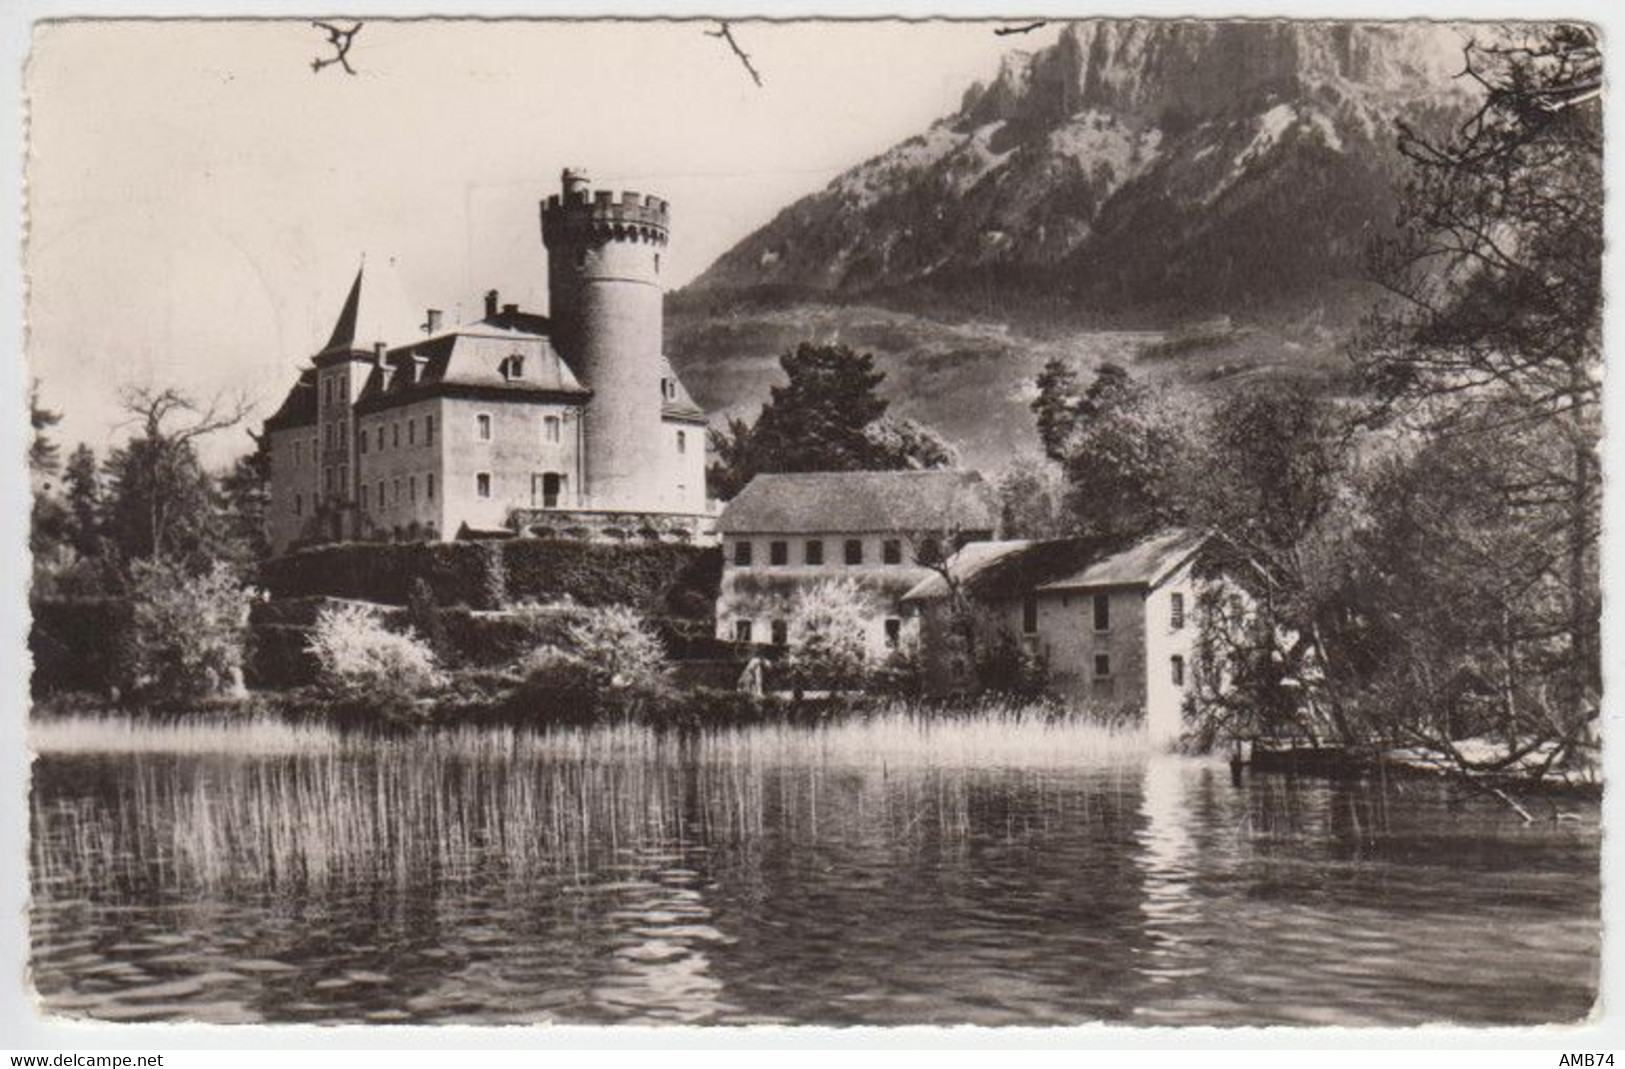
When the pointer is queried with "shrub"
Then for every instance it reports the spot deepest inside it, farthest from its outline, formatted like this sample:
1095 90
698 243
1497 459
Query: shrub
187 632
827 624
366 667
1006 665
79 643
610 659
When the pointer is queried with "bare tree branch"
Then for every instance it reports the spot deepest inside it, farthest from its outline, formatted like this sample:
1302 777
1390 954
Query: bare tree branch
725 32
341 40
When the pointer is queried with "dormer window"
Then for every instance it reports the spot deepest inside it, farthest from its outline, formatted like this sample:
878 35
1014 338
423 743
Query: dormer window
668 389
513 367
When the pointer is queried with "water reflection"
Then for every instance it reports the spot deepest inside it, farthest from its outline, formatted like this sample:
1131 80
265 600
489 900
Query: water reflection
800 877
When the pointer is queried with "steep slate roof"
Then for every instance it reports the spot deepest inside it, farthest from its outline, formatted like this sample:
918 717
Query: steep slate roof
376 310
1146 563
299 407
1009 569
854 501
466 362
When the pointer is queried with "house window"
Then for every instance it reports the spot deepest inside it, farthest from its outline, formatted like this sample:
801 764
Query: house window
1176 611
1103 665
1103 612
854 551
894 633
550 429
682 441
428 430
742 554
411 432
781 632
298 504
815 551
891 551
778 553
930 551
482 427
1176 670
741 630
1029 614
428 486
482 484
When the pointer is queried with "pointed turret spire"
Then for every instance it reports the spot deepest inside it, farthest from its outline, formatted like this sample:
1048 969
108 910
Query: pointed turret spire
375 311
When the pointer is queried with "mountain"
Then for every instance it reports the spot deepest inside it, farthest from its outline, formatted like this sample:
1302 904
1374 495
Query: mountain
1219 179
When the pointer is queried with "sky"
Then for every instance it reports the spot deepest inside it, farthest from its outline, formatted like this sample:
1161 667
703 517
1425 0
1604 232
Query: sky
199 199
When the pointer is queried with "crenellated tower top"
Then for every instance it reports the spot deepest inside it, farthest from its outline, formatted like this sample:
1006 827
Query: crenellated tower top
582 215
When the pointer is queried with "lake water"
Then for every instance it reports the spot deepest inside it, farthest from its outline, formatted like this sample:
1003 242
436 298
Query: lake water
888 873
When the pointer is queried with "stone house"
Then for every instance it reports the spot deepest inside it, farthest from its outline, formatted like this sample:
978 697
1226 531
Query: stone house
573 423
785 532
1112 623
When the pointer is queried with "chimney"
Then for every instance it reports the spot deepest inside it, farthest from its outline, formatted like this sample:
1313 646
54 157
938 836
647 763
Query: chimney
433 321
510 309
490 304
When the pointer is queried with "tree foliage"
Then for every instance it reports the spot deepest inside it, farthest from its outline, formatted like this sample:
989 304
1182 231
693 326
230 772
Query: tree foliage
189 630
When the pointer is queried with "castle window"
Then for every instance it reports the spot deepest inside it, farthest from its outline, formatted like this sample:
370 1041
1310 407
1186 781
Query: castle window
361 441
380 437
298 504
742 554
1176 670
395 435
411 432
344 477
545 489
344 389
397 489
344 435
668 390
482 484
512 367
298 453
781 632
364 497
327 435
428 486
327 480
482 427
1176 611
1103 665
854 551
891 551
894 633
381 502
412 488
657 263
815 551
581 258
1029 614
327 391
550 429
1103 612
778 553
741 630
682 442
428 430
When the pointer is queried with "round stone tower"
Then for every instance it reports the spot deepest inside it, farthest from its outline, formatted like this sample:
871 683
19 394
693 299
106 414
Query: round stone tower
604 296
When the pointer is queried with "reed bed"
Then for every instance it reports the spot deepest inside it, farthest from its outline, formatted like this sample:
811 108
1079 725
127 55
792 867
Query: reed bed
186 807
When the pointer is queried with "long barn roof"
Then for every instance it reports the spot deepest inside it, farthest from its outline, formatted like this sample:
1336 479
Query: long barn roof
858 501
